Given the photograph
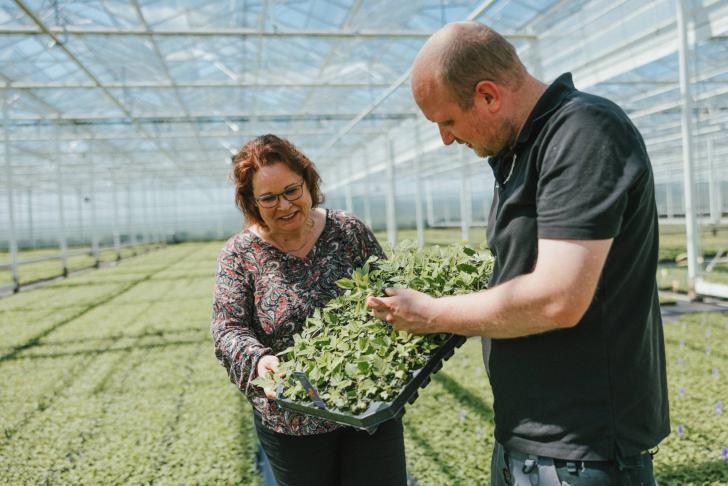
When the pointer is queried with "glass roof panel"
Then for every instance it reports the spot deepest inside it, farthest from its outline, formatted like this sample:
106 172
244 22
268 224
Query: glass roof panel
169 82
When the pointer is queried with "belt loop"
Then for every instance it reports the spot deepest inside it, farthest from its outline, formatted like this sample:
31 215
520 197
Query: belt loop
529 464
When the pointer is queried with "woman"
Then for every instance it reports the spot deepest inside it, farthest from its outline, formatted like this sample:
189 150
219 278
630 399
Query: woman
270 277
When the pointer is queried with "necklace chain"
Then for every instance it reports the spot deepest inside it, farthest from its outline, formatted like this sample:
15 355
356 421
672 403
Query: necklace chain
510 172
309 228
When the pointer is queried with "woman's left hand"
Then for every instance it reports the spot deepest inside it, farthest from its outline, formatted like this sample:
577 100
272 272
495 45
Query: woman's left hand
268 364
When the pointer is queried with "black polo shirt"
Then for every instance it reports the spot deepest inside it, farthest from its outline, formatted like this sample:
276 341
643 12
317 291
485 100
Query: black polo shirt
589 392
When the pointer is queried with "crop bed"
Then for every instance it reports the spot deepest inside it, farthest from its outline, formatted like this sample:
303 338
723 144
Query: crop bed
109 377
43 270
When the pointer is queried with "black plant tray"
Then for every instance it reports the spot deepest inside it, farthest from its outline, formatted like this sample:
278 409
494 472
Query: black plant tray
379 412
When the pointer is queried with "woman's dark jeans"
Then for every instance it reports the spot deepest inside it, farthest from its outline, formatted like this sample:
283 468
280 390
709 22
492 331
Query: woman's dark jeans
344 457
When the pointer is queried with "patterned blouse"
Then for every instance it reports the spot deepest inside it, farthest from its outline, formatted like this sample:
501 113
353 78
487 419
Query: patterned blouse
263 297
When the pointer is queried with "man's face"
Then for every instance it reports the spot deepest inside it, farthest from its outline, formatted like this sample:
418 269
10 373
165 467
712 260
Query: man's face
486 133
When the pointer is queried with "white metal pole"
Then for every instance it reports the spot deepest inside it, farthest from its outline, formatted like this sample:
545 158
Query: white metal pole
419 213
348 194
429 204
115 216
157 208
61 210
31 235
391 195
129 215
668 199
367 202
79 206
94 220
713 186
687 148
11 209
464 195
175 209
145 218
220 232
535 55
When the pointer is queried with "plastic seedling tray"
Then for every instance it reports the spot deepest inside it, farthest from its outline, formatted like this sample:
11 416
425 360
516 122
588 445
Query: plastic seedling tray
378 412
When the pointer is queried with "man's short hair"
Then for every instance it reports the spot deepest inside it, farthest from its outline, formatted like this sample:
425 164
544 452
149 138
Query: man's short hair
478 54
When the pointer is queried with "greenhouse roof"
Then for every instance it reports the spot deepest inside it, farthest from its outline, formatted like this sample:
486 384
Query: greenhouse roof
170 89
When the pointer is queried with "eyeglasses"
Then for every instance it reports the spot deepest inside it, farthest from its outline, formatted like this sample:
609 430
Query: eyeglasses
292 192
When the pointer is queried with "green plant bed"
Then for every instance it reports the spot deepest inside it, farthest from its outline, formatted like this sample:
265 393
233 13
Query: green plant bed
37 271
667 301
110 377
698 386
114 381
673 240
449 430
675 278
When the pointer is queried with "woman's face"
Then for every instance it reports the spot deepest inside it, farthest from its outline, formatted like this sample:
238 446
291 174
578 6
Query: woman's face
285 217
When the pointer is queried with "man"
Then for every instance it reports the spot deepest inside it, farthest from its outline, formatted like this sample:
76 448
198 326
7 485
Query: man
571 322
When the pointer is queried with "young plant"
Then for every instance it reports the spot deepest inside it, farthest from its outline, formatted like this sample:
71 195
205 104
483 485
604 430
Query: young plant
353 359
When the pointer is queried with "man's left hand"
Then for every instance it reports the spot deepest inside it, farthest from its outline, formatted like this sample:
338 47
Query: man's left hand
406 310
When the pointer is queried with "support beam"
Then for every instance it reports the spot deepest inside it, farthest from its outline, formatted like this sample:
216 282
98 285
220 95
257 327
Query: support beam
687 147
62 243
175 212
419 213
115 218
650 45
465 200
714 194
80 85
12 241
365 179
344 172
31 233
80 200
146 220
429 203
43 29
95 230
391 195
236 33
129 217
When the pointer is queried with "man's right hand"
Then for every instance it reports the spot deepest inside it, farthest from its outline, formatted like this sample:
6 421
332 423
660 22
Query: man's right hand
268 364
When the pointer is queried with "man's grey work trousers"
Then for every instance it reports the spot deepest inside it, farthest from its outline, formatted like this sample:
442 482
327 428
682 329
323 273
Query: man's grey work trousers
511 468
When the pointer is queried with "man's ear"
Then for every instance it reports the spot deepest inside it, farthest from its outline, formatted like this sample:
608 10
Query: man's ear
489 93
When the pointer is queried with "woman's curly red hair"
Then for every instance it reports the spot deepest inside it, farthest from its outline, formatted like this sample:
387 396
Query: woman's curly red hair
267 150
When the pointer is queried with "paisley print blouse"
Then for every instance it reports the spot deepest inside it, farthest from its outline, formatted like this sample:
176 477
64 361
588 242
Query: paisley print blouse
263 296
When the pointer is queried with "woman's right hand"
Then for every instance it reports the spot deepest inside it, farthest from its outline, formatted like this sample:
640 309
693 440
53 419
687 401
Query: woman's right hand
268 364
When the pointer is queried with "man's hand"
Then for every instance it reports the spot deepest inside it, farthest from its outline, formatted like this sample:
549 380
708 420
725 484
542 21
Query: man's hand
406 310
268 364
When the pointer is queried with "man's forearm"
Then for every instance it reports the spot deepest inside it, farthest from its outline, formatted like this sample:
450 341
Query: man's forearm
519 307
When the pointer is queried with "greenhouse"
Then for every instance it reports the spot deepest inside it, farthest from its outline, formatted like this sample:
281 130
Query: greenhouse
122 129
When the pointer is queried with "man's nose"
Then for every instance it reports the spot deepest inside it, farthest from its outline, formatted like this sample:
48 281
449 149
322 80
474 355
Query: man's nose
447 137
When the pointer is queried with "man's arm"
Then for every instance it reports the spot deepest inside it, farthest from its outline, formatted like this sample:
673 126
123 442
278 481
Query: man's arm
554 296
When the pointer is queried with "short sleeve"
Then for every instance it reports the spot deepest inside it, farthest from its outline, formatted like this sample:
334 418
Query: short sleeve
591 157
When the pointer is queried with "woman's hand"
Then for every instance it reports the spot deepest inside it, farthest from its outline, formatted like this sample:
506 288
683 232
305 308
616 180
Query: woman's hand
268 364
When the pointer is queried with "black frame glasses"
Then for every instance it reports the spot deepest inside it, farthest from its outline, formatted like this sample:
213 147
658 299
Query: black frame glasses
291 193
